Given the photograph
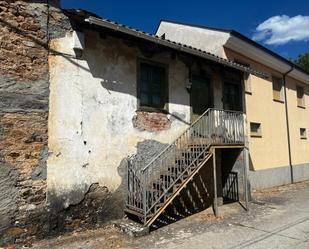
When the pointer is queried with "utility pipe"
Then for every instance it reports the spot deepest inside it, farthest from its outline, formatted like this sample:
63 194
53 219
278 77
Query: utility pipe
287 123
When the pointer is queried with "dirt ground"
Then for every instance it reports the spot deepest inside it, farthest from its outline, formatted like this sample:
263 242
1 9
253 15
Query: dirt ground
277 218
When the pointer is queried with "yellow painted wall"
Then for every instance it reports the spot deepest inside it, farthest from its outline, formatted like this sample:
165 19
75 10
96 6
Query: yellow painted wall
299 118
271 150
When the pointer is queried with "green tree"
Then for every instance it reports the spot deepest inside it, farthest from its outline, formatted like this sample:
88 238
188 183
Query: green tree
303 61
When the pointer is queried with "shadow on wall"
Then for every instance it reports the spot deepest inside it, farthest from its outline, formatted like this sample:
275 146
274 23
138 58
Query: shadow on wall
42 43
251 168
98 207
233 176
115 62
118 53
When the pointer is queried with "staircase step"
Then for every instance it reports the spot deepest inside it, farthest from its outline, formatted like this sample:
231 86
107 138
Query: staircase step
165 180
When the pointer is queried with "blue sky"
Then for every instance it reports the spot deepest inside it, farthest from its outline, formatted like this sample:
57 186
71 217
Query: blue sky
283 26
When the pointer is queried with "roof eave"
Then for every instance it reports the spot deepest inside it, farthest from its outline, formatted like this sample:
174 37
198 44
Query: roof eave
247 40
170 44
266 57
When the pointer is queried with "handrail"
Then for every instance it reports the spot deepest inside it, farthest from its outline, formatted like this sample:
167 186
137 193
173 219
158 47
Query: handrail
191 125
148 185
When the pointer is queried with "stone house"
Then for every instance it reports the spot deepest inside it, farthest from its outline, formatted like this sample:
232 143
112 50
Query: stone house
98 118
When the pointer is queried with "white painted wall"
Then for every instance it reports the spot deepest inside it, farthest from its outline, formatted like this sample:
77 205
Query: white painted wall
92 103
205 39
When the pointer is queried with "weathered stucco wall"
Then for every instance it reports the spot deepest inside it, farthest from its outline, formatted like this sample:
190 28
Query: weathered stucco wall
92 118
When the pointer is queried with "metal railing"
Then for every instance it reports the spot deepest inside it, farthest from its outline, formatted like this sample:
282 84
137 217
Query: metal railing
148 184
230 189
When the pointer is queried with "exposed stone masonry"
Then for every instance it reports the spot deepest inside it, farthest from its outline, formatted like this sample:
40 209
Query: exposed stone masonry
25 28
23 146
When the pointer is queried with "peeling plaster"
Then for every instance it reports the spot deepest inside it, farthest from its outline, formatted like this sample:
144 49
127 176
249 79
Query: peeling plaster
94 100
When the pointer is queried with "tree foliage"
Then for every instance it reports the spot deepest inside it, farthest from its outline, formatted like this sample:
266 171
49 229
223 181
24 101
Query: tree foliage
303 61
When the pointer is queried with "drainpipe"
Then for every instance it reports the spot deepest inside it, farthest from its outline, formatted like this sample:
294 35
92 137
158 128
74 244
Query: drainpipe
287 123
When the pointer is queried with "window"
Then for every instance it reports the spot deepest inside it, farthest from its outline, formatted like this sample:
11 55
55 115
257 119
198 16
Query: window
247 82
247 76
277 89
303 133
255 129
300 96
232 99
152 87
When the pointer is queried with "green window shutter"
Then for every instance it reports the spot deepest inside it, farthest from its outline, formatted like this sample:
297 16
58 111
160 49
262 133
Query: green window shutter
152 85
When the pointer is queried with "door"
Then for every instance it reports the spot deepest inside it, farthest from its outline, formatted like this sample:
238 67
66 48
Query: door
200 96
232 98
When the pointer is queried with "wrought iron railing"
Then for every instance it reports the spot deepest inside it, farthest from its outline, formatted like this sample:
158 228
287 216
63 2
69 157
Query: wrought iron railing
149 184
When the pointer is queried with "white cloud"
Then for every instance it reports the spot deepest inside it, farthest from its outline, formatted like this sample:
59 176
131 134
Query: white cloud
279 30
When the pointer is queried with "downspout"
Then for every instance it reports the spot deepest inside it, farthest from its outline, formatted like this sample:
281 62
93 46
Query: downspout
287 123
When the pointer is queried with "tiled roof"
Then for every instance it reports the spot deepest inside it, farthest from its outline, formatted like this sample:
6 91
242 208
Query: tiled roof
245 39
168 43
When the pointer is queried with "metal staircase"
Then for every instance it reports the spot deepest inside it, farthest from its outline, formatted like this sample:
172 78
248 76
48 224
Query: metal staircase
152 187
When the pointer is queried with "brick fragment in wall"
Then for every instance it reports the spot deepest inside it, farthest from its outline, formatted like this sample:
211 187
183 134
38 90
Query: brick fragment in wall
151 121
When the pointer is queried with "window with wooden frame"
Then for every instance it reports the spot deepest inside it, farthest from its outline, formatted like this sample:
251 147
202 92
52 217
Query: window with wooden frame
278 94
152 86
303 133
300 96
255 129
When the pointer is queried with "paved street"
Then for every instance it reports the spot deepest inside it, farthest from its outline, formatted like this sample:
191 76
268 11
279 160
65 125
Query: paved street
278 218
